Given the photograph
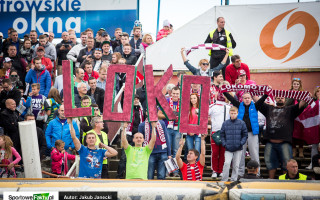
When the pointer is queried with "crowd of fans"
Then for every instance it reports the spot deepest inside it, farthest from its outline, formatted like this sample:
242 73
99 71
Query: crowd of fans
32 89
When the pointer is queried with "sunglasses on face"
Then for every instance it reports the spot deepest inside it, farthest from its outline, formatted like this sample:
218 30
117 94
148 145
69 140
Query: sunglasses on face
14 75
296 79
205 64
98 49
96 108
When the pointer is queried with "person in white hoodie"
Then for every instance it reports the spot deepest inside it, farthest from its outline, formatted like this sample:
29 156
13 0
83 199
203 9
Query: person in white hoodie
218 112
74 52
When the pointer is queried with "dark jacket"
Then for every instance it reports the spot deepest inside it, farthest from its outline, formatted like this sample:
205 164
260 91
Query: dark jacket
9 122
130 59
136 46
42 142
18 64
141 92
14 94
8 42
62 54
82 53
280 121
98 97
233 134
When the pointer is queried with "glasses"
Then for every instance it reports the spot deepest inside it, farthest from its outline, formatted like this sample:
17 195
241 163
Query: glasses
98 49
296 79
96 108
204 63
14 75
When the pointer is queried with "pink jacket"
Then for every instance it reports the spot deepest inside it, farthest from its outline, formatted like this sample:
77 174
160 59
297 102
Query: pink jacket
10 160
57 157
161 33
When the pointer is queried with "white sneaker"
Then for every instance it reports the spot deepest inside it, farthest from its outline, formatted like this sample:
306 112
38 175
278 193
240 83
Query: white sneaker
214 175
309 167
221 174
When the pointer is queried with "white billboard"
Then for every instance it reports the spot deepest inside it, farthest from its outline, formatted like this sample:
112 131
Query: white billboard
273 36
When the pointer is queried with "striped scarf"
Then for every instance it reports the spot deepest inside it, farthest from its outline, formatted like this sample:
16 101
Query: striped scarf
258 90
173 124
160 133
208 46
196 172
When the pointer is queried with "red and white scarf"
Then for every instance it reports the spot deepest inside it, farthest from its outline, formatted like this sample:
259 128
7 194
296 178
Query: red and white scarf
258 90
173 124
213 90
7 73
196 172
129 128
160 133
209 46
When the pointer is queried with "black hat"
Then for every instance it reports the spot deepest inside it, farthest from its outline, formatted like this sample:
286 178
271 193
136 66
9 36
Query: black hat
136 96
252 164
104 34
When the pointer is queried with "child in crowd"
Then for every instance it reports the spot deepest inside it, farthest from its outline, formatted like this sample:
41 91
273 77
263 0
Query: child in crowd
234 135
6 157
54 101
165 31
60 158
194 140
37 104
115 57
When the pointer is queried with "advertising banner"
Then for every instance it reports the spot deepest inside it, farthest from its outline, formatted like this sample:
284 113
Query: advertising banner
271 36
61 15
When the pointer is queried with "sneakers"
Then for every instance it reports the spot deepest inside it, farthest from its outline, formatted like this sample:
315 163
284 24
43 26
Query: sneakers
176 175
221 174
214 175
309 167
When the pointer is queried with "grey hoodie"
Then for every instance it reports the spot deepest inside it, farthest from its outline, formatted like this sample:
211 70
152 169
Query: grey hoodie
50 51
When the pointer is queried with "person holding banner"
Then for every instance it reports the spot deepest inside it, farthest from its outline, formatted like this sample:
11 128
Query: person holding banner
137 155
222 37
204 66
296 85
172 126
193 170
92 156
279 123
248 112
161 151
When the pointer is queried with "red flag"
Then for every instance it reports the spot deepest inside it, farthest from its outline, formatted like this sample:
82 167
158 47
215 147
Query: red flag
307 124
139 77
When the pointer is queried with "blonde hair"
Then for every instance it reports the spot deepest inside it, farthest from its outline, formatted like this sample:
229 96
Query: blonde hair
233 109
7 146
145 38
202 61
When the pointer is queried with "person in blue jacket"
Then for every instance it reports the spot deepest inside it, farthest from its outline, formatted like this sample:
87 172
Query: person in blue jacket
39 74
233 136
58 129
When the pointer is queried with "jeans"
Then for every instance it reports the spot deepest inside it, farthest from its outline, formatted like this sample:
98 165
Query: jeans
194 142
253 145
275 153
156 160
235 158
174 138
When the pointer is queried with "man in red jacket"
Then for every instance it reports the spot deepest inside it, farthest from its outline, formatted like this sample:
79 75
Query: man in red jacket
232 70
88 72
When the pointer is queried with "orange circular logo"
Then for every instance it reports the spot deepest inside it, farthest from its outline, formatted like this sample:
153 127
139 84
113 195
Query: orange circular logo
300 17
